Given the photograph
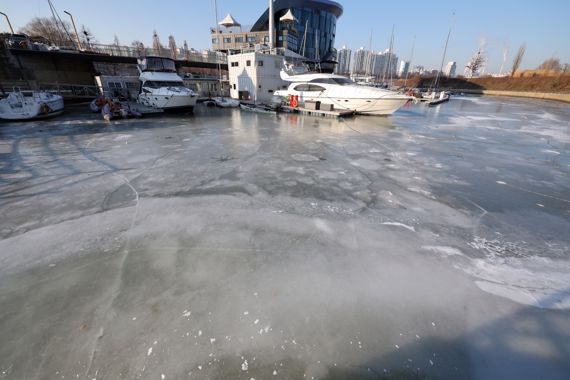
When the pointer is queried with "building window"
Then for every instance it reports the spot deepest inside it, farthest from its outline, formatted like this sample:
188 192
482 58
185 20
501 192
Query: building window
214 40
251 39
235 64
227 40
234 86
248 63
259 63
239 40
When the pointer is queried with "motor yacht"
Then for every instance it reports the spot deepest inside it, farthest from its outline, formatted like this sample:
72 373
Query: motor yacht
342 93
162 88
36 105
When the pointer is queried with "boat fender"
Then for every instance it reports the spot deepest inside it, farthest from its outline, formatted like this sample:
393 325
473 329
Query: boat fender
294 101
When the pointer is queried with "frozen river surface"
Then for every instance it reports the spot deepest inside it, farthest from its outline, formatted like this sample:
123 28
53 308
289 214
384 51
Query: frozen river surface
228 245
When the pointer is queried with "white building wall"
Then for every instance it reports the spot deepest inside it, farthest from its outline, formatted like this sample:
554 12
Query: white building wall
255 82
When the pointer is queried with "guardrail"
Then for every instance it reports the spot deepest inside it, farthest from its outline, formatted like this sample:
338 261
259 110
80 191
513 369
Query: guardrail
181 54
71 90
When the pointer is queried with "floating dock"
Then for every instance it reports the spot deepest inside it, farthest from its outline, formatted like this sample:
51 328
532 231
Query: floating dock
320 113
144 110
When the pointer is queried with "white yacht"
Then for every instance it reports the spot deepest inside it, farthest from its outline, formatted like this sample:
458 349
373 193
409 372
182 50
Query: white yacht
162 88
37 105
342 93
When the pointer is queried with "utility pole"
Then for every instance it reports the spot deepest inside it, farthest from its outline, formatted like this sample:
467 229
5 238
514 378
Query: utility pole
217 52
75 29
271 26
7 19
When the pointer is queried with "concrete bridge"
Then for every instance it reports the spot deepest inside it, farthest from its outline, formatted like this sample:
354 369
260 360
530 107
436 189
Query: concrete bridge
78 68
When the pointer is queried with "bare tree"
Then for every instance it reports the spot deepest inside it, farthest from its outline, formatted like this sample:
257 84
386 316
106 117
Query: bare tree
475 64
551 64
87 38
172 46
56 32
518 59
139 47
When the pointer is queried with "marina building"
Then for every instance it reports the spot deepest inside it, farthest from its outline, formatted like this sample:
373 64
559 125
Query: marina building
307 27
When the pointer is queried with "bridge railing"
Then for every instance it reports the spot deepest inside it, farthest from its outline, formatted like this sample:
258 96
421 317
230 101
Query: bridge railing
178 54
71 90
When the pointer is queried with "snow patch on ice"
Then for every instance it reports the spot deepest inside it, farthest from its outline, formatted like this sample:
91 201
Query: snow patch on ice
396 224
366 164
443 251
304 157
508 270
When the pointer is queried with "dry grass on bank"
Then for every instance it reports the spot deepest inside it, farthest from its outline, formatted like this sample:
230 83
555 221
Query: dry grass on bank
534 83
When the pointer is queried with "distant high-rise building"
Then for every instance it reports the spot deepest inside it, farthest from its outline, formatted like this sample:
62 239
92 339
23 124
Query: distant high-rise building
450 69
343 56
404 68
386 64
419 69
361 64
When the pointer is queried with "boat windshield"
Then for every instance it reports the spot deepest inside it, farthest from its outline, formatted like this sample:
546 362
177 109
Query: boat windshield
339 81
160 84
158 64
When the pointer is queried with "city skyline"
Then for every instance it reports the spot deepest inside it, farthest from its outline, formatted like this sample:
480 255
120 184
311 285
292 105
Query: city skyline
495 26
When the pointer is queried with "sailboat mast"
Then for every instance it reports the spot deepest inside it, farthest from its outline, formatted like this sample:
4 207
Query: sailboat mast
369 69
442 58
387 65
304 41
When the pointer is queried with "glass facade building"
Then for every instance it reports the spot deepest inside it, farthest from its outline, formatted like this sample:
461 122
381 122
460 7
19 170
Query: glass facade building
318 17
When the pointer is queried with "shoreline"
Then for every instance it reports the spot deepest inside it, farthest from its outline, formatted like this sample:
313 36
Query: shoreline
519 94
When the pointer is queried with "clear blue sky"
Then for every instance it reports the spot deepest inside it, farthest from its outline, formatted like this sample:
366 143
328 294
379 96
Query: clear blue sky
543 25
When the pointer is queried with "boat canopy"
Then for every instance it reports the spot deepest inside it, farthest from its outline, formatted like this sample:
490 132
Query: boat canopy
157 64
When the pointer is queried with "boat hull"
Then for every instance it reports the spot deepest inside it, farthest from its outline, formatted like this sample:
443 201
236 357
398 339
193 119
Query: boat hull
377 107
169 103
32 108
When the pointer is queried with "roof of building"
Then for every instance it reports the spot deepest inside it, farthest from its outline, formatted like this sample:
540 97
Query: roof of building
229 21
281 5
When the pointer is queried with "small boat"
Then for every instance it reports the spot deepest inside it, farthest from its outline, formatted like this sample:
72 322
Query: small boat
259 108
224 102
38 105
434 101
116 110
97 104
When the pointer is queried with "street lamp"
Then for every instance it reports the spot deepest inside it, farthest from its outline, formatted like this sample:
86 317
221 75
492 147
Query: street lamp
75 29
7 19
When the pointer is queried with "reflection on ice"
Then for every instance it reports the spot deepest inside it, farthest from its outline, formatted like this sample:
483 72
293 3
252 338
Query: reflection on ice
235 245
